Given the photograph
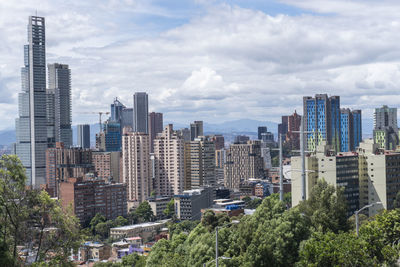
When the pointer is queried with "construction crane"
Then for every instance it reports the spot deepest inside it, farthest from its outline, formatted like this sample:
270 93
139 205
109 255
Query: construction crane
100 115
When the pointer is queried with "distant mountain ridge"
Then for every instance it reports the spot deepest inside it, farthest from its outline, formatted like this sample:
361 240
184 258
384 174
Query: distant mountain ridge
233 127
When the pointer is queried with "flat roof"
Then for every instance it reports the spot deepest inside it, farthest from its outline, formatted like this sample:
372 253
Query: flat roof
141 225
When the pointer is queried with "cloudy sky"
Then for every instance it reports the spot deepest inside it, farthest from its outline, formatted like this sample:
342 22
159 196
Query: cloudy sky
210 60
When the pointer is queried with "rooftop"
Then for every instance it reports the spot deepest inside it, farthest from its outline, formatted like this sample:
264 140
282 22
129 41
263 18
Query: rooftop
141 225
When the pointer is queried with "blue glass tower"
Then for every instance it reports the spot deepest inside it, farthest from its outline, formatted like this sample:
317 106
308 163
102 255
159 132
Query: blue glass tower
112 136
322 120
351 134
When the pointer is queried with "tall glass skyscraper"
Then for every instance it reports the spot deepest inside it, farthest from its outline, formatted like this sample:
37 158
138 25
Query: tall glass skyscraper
83 135
322 120
140 112
59 104
31 132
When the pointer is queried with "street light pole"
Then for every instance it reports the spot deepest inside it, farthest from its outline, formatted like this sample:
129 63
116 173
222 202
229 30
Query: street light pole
358 211
280 169
216 246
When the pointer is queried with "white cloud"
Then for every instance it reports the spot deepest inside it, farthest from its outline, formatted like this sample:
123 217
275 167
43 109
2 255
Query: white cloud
225 63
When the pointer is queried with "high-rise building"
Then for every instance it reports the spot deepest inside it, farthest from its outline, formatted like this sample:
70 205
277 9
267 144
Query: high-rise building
107 165
63 163
89 197
31 125
241 139
243 162
169 162
196 130
350 123
155 127
386 132
59 103
336 169
127 118
83 135
136 166
110 138
140 112
261 130
218 140
283 126
322 120
379 176
200 162
185 134
121 114
293 128
116 110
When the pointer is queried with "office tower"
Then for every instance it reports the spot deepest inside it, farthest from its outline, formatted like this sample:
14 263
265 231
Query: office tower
261 130
116 110
110 138
107 165
140 112
169 162
126 118
218 140
59 103
196 130
268 138
89 197
219 166
322 119
283 126
83 135
336 169
386 132
266 155
350 123
63 163
200 162
379 176
31 125
292 135
243 162
155 127
241 139
121 114
185 134
136 166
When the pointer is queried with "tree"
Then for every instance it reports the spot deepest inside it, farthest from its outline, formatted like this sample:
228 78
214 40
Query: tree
30 216
330 249
144 212
98 218
120 221
170 209
396 202
326 208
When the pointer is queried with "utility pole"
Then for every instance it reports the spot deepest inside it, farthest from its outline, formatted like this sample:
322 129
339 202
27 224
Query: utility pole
303 160
280 169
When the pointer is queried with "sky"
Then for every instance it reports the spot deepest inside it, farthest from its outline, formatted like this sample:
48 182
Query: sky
207 59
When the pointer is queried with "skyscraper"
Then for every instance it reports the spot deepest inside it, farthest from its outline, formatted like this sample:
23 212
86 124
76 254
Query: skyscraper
136 166
140 112
155 127
322 119
350 123
110 138
196 130
83 135
200 162
31 126
386 132
292 135
243 162
169 161
283 126
59 103
261 130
